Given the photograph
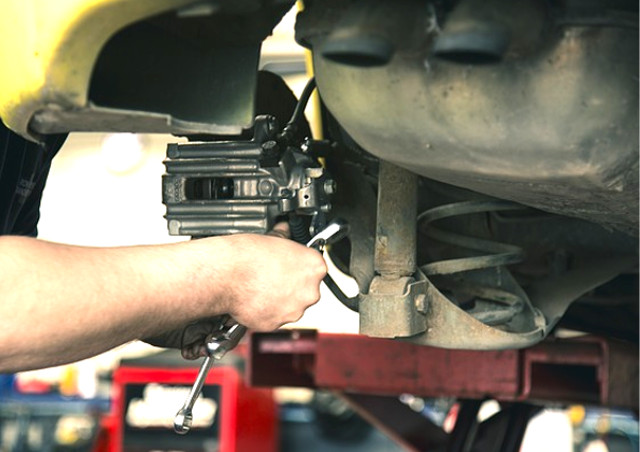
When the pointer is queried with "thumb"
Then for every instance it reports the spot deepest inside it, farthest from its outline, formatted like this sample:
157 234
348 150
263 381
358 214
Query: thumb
280 230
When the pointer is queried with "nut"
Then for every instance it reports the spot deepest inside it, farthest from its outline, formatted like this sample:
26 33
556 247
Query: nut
421 303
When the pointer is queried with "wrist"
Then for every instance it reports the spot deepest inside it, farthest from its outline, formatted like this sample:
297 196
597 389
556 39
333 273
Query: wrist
210 267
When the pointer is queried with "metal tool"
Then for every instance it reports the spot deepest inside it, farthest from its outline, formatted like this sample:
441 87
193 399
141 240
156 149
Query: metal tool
218 344
335 231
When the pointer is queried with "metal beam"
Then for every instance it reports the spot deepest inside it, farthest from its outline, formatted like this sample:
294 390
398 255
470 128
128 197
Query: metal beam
581 370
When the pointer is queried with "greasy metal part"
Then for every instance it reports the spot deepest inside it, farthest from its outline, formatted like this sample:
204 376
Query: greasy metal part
393 307
493 304
553 125
395 248
389 309
449 326
554 294
555 247
581 370
218 188
498 300
501 254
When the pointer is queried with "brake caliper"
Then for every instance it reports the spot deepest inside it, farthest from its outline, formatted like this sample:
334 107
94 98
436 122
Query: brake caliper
230 187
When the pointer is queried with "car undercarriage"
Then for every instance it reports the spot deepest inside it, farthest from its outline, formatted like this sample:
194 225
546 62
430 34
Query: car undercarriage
484 153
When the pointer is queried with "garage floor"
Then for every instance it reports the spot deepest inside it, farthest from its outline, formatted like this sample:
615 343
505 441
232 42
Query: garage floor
305 437
301 431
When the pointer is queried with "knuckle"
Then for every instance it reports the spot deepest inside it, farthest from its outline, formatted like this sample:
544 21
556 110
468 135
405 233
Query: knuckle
312 298
295 316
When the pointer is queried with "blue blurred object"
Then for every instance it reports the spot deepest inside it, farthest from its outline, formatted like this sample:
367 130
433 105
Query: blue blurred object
6 385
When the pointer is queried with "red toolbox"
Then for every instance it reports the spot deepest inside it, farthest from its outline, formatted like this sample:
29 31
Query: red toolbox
229 416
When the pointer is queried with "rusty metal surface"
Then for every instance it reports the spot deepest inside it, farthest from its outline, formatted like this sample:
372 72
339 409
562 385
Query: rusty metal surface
521 318
450 327
593 371
395 247
584 370
502 315
391 367
389 308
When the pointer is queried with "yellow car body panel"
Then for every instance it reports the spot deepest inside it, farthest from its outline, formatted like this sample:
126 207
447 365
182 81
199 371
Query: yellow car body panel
50 47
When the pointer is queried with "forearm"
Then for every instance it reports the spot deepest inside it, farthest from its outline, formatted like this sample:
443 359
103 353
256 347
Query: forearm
63 303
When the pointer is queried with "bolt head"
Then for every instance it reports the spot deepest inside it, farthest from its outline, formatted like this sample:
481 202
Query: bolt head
421 303
265 187
330 186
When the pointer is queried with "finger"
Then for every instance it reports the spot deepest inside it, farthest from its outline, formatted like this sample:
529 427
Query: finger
281 230
194 352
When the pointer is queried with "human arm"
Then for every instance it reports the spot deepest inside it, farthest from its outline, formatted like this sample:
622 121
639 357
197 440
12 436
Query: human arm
63 303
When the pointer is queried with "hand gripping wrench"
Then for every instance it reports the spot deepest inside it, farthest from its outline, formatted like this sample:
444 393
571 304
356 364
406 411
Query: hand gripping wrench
219 343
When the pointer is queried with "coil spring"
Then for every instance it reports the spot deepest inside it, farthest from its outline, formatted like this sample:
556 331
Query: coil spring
504 304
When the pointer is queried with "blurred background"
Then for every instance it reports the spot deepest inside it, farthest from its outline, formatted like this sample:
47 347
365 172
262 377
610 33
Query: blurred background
105 190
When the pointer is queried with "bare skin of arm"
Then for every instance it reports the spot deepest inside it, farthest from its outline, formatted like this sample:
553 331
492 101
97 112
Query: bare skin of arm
62 303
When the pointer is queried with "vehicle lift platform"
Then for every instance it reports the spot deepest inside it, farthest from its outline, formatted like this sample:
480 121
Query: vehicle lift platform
371 374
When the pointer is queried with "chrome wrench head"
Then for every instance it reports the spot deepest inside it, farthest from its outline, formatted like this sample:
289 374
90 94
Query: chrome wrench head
218 347
182 421
335 231
184 418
